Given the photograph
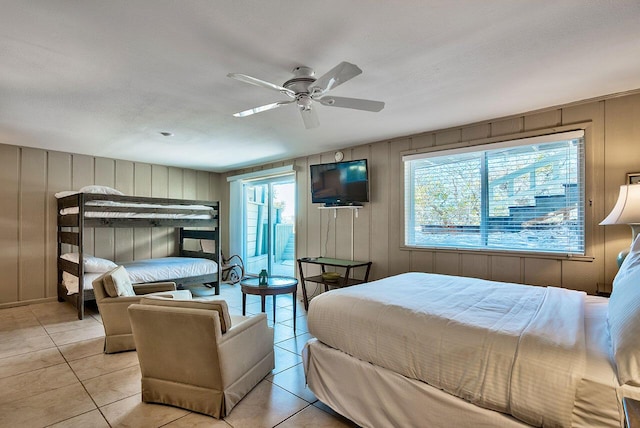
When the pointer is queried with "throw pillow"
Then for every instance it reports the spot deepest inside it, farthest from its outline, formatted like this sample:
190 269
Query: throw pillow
117 283
624 318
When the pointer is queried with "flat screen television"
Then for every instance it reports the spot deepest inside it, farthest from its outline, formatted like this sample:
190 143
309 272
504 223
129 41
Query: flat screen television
340 183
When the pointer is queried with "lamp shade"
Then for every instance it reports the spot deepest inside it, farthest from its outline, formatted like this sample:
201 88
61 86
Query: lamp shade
627 208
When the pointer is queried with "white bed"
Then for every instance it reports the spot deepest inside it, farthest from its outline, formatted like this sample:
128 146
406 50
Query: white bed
434 350
150 270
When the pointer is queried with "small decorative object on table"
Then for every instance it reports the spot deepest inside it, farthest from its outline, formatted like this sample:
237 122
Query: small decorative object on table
331 276
263 276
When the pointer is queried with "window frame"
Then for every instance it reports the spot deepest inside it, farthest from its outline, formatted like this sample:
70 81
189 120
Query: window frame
509 140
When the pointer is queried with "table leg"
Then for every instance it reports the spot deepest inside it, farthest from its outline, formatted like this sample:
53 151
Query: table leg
244 304
262 297
304 296
294 310
304 287
274 308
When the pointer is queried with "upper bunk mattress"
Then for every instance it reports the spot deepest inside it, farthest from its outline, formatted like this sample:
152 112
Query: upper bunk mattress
508 347
197 212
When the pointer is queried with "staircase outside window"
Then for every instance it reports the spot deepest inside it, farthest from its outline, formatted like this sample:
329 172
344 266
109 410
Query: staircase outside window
516 195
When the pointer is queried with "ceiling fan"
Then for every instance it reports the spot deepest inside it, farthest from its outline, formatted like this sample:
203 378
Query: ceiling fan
304 89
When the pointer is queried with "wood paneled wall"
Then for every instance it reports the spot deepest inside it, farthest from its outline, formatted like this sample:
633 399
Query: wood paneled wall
29 178
612 150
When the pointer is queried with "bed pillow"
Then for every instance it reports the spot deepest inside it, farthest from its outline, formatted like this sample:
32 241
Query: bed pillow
91 264
94 188
216 305
117 283
103 190
65 193
624 318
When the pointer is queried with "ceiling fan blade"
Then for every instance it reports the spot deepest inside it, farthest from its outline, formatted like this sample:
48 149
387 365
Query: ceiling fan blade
334 77
310 118
262 108
261 83
354 103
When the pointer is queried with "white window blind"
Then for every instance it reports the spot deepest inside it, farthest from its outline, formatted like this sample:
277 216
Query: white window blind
520 195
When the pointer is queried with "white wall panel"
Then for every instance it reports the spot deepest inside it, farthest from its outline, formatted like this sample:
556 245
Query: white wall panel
105 175
33 204
58 179
9 222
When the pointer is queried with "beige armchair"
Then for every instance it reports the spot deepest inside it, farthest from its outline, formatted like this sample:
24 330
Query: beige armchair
188 361
113 310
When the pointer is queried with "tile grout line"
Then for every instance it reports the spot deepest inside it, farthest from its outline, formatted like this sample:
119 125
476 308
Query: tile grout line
295 338
74 374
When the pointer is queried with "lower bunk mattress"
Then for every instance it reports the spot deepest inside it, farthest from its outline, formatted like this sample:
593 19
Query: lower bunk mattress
434 350
150 270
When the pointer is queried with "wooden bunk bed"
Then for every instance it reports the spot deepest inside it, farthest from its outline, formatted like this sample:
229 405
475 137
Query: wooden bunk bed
195 219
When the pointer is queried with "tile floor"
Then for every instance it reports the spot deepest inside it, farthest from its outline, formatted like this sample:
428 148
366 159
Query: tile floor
53 373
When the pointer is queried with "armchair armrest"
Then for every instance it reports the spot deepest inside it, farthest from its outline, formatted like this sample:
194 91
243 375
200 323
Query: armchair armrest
122 300
176 295
154 287
243 346
113 311
254 322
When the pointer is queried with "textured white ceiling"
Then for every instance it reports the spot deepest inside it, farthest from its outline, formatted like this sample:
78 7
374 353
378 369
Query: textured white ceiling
106 77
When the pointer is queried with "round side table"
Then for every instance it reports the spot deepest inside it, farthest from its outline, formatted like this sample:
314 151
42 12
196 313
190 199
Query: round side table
275 285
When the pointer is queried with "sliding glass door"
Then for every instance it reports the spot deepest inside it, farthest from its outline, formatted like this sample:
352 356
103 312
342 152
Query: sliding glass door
269 225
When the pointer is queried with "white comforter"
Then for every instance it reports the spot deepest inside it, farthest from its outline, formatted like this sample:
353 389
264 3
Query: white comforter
150 270
512 348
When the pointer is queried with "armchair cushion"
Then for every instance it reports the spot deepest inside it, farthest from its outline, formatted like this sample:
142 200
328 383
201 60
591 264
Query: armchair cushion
219 306
117 283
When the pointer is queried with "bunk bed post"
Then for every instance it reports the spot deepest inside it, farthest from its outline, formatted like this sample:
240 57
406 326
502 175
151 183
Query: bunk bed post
218 249
181 242
59 288
80 298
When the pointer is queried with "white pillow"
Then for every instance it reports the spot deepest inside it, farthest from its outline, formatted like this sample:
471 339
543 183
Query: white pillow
104 190
91 264
65 193
624 318
117 283
94 188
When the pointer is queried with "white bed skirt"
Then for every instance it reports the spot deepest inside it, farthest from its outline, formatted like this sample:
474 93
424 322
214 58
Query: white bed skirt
378 397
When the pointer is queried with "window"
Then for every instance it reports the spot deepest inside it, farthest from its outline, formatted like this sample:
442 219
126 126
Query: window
521 195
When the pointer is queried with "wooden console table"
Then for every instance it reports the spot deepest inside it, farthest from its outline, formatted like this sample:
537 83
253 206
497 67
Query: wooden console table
343 281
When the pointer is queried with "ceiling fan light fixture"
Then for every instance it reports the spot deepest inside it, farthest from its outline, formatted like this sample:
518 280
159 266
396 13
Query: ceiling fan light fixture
304 102
304 88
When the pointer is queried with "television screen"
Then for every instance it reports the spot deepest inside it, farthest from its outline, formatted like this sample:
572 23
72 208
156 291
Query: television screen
340 183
